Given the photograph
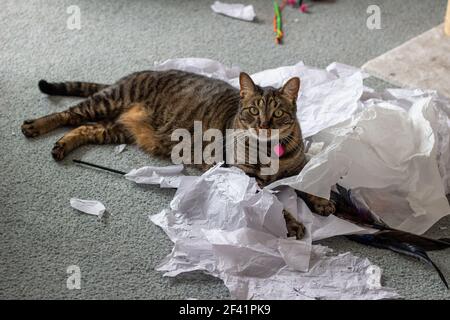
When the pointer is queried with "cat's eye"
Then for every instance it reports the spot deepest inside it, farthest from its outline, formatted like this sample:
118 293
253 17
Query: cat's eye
254 111
278 113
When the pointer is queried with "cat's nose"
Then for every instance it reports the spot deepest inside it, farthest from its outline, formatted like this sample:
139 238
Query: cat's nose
265 125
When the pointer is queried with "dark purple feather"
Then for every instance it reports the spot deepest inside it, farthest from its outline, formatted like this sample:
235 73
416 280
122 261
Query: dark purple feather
387 238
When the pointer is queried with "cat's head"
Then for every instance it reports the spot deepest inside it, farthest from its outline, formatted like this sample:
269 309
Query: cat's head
268 108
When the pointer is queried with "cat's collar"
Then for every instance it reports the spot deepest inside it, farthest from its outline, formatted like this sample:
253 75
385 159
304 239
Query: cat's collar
279 149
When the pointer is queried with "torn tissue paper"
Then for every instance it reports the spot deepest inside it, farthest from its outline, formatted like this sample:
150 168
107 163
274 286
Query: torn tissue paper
390 148
92 207
166 177
222 225
234 10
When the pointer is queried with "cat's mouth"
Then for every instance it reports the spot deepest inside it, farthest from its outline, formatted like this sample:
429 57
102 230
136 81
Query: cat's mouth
265 134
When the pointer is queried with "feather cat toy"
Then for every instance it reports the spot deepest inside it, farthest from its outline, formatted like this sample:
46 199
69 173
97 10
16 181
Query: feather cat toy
387 238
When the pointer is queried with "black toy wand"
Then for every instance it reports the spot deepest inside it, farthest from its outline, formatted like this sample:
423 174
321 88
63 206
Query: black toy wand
99 166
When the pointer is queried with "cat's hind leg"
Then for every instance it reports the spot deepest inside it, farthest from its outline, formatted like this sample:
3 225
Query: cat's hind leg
138 121
99 133
100 106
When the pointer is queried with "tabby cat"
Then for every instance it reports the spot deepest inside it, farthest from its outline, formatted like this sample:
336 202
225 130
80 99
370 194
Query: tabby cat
146 107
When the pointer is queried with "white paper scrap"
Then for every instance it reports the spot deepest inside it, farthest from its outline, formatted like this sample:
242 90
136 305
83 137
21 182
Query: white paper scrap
166 177
93 207
235 10
119 149
206 67
338 277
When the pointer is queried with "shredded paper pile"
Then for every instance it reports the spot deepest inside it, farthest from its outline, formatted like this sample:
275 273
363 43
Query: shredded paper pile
389 148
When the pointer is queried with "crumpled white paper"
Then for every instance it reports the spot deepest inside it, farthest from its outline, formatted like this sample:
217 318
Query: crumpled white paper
337 277
390 148
234 10
92 207
166 177
203 66
223 224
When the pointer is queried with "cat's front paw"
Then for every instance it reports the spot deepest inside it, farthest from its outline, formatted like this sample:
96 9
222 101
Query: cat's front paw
295 228
58 151
29 129
324 207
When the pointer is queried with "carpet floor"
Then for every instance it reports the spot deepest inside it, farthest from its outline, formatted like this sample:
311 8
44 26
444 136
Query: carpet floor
41 235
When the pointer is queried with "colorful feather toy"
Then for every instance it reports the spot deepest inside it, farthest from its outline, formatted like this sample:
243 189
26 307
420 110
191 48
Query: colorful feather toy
277 23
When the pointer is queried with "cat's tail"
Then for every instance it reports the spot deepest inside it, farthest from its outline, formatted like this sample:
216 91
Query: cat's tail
71 88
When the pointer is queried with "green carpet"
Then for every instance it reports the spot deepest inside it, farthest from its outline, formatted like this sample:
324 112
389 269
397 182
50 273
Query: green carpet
41 235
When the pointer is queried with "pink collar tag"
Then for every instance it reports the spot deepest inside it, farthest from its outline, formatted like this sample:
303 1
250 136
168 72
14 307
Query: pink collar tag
279 150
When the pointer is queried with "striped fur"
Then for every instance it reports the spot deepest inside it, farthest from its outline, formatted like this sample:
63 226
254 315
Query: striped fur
268 101
73 88
146 107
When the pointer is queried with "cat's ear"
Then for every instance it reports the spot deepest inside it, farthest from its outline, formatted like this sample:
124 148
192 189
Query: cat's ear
290 89
247 87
